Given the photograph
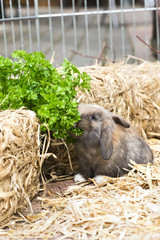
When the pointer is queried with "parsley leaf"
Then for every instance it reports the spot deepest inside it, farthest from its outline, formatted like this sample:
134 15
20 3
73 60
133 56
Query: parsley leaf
32 81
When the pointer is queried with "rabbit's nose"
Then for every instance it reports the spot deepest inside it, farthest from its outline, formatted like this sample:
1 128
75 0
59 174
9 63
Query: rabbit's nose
77 124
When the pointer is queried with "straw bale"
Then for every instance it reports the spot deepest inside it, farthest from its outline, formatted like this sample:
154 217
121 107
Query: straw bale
130 90
19 161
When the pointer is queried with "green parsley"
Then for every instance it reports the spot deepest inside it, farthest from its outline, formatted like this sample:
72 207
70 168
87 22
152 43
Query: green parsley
33 82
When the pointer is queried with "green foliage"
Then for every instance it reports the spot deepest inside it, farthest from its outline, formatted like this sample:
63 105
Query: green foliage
32 81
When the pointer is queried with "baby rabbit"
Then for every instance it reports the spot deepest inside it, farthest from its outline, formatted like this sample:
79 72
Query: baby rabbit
107 144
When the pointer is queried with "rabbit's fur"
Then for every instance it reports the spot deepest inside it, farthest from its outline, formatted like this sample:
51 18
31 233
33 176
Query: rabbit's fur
107 144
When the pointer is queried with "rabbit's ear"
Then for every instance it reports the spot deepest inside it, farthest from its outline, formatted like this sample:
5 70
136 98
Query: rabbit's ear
106 144
118 120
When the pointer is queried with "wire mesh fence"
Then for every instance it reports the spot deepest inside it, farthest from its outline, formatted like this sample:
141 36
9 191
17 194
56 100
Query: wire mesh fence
81 30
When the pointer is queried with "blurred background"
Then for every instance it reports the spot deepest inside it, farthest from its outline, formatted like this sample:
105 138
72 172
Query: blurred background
83 31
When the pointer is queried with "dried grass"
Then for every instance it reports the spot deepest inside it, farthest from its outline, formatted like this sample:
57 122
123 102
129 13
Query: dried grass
125 208
132 91
19 161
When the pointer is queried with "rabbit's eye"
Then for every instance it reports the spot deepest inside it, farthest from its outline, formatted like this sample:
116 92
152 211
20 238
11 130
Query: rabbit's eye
92 117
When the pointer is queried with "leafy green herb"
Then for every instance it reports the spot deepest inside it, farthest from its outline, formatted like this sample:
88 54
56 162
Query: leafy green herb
32 81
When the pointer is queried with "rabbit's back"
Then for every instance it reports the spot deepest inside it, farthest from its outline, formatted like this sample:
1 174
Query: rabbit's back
129 145
137 149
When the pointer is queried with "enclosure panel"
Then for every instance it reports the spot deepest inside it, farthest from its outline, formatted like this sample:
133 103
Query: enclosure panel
81 30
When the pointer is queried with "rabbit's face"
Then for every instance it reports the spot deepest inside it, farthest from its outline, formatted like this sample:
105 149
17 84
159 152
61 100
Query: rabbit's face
97 125
92 119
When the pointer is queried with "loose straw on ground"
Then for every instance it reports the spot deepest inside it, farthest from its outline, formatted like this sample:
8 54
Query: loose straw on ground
125 208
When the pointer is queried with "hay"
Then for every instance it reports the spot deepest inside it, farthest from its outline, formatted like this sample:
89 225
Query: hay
132 91
125 208
19 161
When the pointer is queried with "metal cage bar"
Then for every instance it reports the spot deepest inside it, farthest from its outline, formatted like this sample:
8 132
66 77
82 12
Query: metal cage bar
157 27
37 25
122 29
50 26
111 30
146 28
134 28
74 25
20 25
86 28
4 29
98 26
63 31
12 26
29 26
81 13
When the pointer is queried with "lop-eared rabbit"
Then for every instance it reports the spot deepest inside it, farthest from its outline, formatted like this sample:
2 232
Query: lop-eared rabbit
107 144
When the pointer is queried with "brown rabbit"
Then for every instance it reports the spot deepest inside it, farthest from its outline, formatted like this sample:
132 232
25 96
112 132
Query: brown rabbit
107 144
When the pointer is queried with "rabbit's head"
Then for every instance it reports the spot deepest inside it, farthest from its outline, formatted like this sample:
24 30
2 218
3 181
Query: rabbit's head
98 125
